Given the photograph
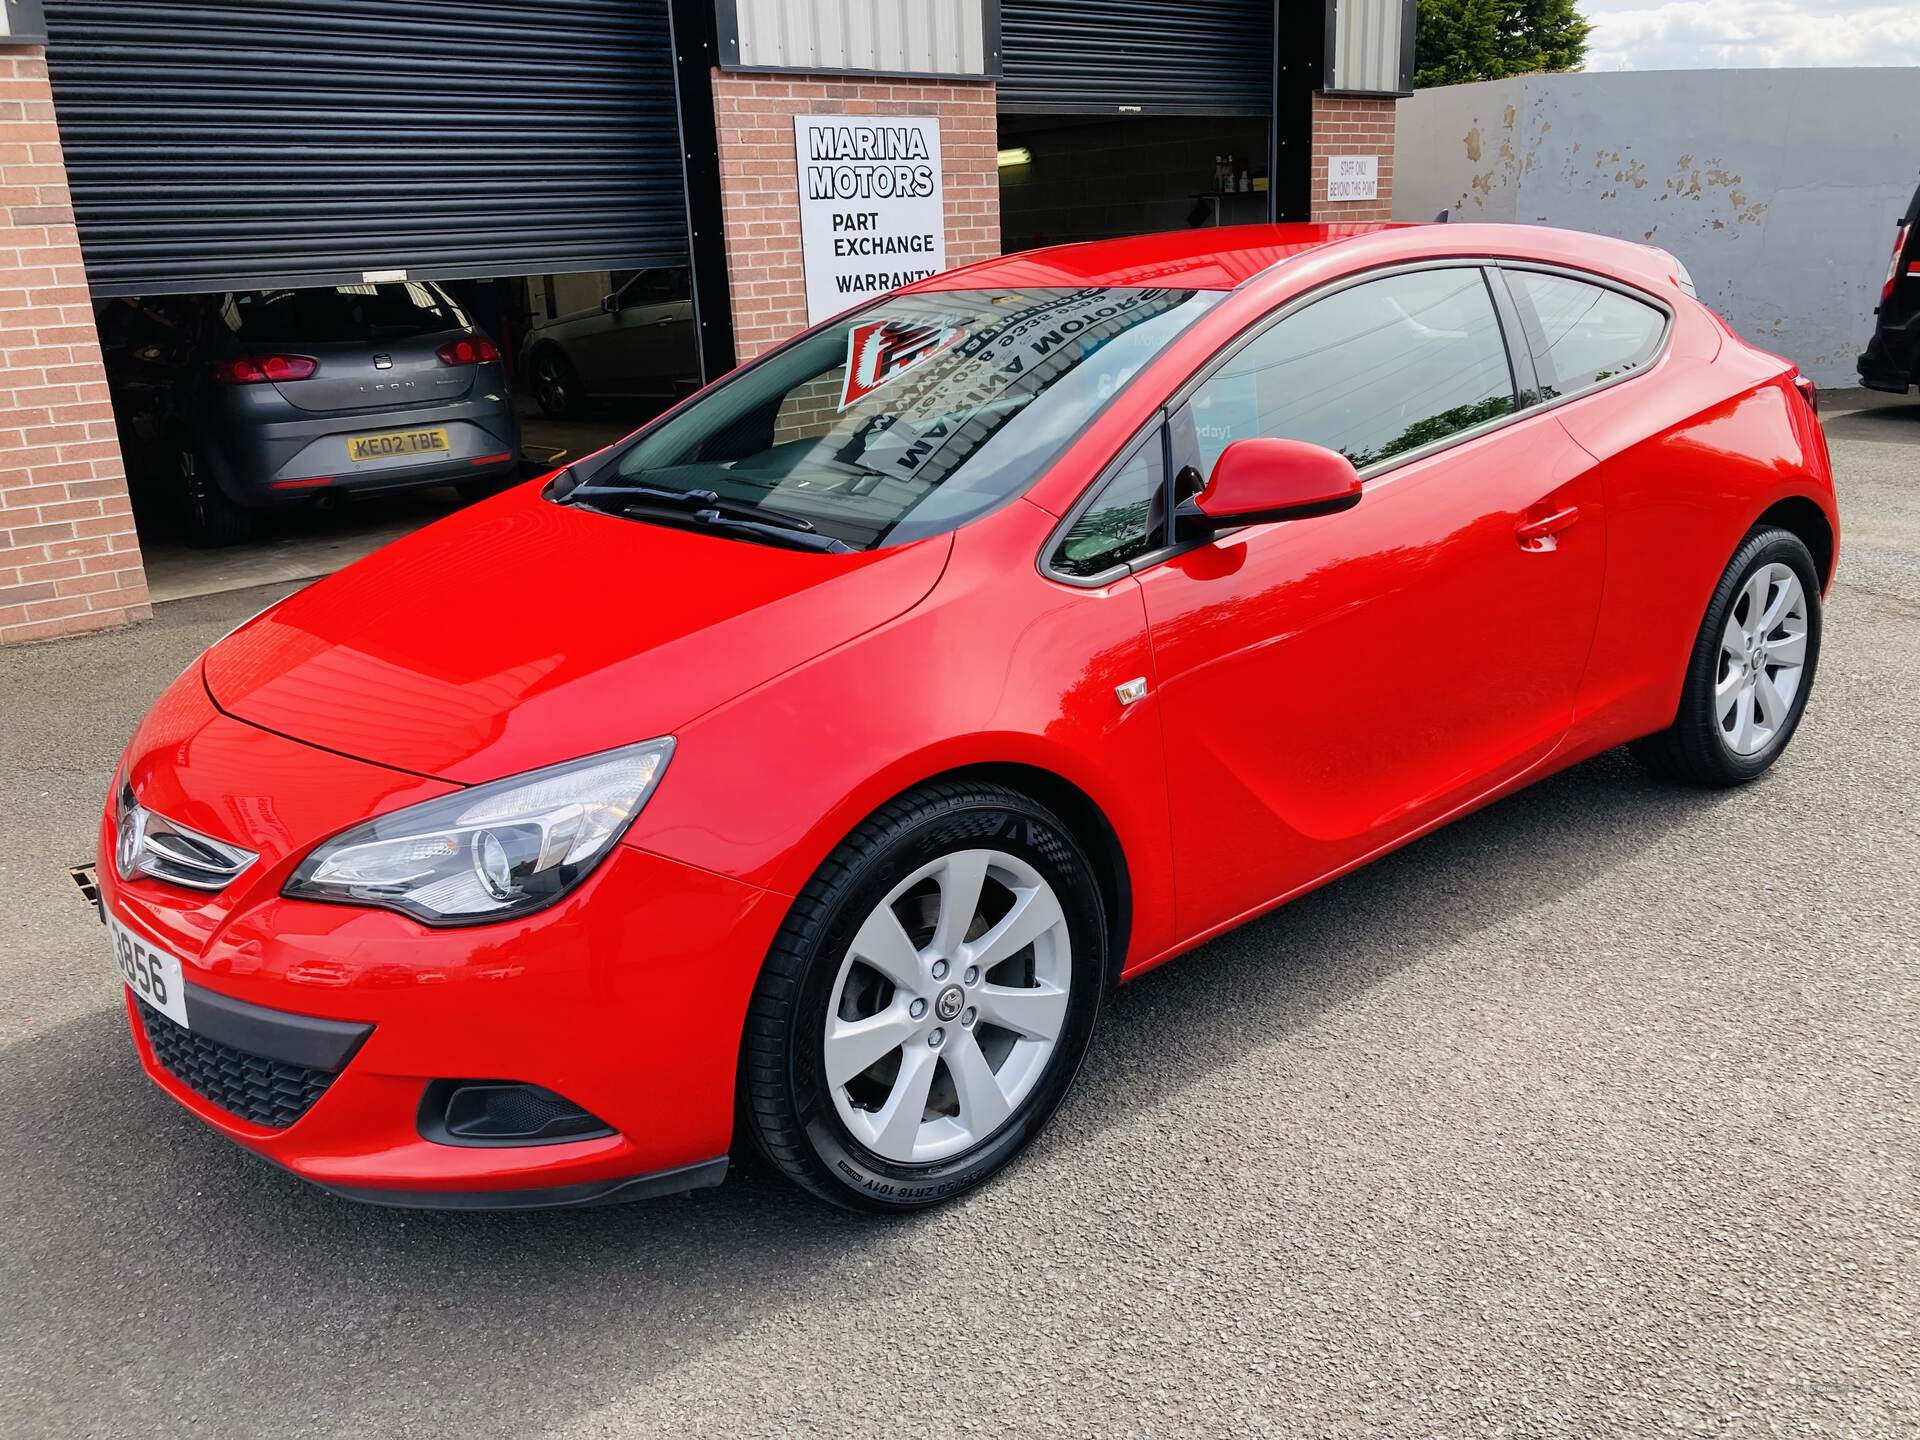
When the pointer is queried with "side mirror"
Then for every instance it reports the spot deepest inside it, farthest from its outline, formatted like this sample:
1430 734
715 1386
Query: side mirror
1258 481
610 304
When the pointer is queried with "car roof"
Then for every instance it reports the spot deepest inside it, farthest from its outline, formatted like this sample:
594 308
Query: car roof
1229 256
1205 258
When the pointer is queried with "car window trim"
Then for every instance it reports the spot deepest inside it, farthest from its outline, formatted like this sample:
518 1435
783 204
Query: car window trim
1153 428
1543 362
1258 328
1519 356
1182 393
1515 335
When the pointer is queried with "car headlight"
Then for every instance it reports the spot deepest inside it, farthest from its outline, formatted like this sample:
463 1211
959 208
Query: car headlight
493 851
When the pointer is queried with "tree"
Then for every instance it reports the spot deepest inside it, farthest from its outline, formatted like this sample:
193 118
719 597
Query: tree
1462 40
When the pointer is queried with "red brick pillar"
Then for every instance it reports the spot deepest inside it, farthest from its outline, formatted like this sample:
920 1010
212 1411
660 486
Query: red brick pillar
69 560
760 181
1348 126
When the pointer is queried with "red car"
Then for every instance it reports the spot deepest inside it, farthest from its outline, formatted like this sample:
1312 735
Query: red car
809 765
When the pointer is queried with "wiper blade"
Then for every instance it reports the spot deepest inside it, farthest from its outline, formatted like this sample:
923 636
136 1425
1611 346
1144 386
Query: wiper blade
700 503
776 533
786 530
660 494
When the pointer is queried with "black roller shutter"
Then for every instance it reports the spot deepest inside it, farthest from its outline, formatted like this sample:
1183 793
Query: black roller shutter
217 146
1156 57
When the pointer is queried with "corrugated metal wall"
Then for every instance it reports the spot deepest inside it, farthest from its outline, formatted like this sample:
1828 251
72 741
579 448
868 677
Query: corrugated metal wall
896 37
1369 42
1156 57
222 146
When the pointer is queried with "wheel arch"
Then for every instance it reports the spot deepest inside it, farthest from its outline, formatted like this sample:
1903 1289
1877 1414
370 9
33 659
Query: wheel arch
1804 518
1089 825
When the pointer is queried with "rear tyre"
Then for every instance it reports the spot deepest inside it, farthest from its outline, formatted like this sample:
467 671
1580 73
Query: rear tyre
1751 670
556 384
928 1002
211 520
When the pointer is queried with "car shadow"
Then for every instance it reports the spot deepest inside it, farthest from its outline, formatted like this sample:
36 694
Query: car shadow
159 1271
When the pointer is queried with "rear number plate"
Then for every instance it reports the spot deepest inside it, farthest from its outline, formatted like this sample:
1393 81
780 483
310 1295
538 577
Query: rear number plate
397 443
151 974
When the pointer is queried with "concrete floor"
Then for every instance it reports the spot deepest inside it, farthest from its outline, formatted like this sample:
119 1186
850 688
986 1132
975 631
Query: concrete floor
1593 1115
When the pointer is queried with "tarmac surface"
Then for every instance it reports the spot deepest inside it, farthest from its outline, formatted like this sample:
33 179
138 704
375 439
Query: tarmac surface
1595 1114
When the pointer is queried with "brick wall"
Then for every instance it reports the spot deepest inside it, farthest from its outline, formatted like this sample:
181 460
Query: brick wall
760 184
68 557
1344 126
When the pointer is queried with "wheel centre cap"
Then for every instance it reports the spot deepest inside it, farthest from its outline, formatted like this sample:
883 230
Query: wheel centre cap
949 1003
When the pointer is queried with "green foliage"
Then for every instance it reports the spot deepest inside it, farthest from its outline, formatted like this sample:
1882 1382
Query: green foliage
1462 40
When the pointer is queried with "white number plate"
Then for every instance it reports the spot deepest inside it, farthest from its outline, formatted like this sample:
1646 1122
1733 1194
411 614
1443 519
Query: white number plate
151 974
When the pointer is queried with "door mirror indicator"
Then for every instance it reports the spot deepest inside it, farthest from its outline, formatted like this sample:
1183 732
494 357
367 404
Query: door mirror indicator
1259 481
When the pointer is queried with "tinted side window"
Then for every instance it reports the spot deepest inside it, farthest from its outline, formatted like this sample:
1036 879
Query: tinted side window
1372 371
1586 333
1123 521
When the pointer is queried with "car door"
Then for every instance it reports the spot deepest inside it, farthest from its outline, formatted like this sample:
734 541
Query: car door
661 353
604 348
1329 685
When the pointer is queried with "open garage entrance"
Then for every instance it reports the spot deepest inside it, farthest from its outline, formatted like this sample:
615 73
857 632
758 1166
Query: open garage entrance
357 261
1136 116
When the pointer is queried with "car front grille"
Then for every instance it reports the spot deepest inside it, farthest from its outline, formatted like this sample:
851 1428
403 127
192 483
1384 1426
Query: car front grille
265 1092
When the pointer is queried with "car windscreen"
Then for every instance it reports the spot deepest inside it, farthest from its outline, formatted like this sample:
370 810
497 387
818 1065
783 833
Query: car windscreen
912 416
341 313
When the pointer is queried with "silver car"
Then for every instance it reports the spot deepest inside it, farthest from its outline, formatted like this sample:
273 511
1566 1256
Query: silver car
637 343
293 394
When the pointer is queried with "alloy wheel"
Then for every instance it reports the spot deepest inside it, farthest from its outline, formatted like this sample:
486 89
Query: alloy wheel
550 385
1763 654
947 1007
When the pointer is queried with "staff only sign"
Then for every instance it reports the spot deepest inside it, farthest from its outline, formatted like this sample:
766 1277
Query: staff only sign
871 216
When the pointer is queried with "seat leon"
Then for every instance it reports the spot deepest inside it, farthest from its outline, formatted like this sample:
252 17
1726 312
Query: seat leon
293 395
803 770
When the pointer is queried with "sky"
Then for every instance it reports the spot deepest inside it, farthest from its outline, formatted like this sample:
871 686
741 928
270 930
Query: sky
1702 34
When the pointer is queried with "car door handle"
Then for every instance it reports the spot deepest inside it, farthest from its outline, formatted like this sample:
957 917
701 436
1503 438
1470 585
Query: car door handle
1540 534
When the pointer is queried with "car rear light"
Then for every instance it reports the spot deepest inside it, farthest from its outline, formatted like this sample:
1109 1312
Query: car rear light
470 350
1809 391
1893 265
263 369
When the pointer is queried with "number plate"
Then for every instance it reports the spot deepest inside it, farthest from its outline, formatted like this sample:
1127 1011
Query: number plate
151 974
397 443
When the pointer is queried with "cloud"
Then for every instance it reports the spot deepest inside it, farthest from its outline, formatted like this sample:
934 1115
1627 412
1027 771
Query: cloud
1711 34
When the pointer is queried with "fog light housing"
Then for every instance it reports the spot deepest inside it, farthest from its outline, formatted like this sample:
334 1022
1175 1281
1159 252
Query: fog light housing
503 1112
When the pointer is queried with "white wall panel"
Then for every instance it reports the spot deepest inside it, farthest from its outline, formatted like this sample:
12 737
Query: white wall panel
890 37
1365 41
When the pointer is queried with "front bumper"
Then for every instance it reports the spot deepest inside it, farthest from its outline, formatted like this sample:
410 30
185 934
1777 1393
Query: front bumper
626 998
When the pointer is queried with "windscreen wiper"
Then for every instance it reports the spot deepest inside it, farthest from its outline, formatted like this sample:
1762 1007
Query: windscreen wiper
766 525
626 497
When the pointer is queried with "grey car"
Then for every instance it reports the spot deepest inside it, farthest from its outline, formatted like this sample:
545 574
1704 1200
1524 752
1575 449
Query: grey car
298 393
637 343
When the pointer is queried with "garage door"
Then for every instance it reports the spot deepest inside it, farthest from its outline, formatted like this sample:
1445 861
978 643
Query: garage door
218 146
1156 57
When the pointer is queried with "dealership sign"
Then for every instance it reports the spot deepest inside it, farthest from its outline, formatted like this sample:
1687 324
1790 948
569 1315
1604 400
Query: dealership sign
871 216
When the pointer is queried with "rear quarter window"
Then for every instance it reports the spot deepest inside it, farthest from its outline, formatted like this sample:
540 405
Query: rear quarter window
1585 334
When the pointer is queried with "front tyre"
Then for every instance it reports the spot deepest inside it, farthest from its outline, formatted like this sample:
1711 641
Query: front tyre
929 1000
1751 670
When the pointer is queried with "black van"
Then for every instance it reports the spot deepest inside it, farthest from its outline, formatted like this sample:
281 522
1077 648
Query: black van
1891 360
